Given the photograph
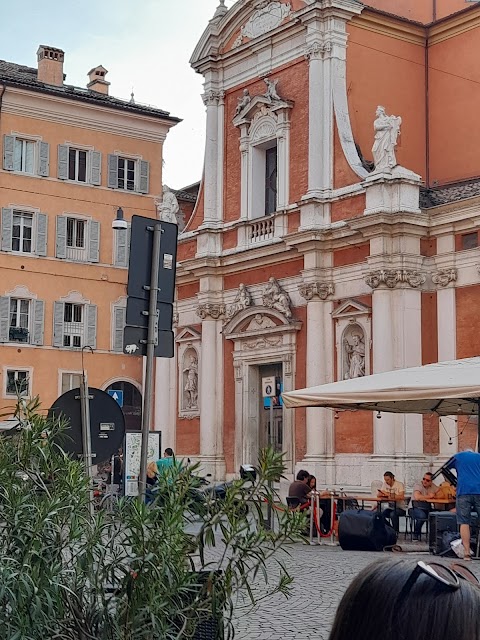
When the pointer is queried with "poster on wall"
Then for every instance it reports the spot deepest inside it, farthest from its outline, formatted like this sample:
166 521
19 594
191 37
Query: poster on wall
133 446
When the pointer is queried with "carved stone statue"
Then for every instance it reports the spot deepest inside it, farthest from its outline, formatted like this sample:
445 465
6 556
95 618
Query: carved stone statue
191 384
355 356
243 101
387 129
274 297
167 207
271 92
243 299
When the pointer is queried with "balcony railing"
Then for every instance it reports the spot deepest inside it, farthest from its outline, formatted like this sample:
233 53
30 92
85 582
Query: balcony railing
262 230
18 334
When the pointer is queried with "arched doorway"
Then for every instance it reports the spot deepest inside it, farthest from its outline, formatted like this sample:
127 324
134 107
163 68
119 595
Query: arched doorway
132 403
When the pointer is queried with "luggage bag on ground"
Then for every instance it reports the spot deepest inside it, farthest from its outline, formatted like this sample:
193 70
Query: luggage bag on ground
364 531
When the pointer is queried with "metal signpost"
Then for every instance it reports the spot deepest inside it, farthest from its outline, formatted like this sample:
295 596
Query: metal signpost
151 290
269 391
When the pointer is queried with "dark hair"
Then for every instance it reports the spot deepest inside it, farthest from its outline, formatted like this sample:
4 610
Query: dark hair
310 478
428 473
302 474
169 451
389 474
376 607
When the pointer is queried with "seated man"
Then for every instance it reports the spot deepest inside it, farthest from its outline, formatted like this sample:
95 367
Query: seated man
392 488
167 461
423 494
300 489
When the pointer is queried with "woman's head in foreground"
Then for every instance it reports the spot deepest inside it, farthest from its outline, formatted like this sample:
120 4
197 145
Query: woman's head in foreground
400 600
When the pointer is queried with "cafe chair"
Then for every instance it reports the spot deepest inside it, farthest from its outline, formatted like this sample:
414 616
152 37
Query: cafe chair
294 504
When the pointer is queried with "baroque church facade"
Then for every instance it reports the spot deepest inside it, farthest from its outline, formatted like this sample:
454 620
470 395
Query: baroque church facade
335 232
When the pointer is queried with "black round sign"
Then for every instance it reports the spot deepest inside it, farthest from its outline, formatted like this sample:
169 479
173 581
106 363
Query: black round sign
107 423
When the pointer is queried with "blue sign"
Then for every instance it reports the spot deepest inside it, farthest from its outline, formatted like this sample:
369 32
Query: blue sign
117 395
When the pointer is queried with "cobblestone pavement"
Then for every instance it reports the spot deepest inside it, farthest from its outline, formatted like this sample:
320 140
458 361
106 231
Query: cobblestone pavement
321 576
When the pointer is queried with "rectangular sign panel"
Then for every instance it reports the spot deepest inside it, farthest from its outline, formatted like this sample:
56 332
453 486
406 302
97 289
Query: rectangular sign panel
131 459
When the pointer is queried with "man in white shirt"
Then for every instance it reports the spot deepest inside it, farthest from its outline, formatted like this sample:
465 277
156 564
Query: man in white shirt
423 495
392 488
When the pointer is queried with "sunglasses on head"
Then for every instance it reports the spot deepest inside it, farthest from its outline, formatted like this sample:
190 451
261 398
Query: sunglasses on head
448 576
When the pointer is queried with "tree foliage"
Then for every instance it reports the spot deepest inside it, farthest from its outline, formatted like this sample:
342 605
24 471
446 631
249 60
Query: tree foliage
136 573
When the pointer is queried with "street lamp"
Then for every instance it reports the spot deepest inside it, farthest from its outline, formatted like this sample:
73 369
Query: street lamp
152 339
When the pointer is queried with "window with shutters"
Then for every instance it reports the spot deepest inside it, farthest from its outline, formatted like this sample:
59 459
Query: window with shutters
26 155
74 324
70 380
119 322
79 165
78 239
121 246
23 231
17 382
129 174
21 318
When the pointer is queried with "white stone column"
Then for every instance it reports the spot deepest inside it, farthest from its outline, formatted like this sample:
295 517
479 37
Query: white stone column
319 370
164 411
382 330
316 114
211 391
444 278
211 100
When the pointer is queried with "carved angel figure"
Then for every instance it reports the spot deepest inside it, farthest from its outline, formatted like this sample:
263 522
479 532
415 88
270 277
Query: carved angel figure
167 208
355 353
243 101
243 299
387 129
274 297
271 92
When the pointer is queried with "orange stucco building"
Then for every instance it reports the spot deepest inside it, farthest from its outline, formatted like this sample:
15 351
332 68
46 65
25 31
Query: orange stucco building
313 255
71 157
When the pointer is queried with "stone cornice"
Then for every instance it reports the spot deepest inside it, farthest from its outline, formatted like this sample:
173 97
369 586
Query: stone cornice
378 22
453 26
443 277
49 108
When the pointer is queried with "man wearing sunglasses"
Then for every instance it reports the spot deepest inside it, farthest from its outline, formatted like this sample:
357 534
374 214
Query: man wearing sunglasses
423 494
467 465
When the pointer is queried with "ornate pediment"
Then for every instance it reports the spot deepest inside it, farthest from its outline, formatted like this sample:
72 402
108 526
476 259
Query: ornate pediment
351 307
251 109
187 334
259 320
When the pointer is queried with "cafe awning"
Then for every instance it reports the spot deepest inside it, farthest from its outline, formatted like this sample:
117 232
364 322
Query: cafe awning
444 388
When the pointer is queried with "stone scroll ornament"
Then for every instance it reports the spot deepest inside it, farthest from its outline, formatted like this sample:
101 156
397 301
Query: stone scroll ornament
243 299
387 130
274 297
268 16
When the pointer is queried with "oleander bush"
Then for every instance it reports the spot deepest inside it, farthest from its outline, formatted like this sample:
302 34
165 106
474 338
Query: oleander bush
136 573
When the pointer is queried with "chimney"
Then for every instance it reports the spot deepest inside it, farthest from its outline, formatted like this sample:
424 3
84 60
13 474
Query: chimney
50 65
97 80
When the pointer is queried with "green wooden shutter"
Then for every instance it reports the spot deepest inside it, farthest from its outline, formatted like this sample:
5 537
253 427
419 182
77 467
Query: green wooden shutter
44 159
61 240
94 241
143 183
41 235
7 229
112 171
4 318
91 328
95 167
38 314
119 319
63 161
8 150
58 314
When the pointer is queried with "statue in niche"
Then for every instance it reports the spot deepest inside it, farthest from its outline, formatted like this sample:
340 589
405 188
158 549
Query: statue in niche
191 384
167 207
243 101
243 299
387 129
271 92
355 356
274 297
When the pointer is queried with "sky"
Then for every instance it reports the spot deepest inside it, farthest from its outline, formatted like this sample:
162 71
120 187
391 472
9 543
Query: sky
144 44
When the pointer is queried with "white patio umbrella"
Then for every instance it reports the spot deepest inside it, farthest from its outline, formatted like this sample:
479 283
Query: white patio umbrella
443 388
